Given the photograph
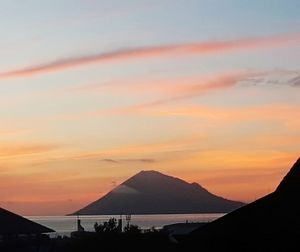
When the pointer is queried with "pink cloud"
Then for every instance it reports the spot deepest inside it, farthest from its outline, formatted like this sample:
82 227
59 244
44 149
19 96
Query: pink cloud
197 48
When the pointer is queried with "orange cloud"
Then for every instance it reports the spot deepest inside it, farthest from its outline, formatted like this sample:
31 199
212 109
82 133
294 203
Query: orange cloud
280 112
130 160
12 131
24 149
51 193
128 151
197 48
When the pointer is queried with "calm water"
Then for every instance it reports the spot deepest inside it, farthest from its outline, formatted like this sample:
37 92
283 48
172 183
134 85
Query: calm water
63 225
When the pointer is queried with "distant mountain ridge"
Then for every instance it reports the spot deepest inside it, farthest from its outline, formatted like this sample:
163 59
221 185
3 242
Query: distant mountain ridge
151 192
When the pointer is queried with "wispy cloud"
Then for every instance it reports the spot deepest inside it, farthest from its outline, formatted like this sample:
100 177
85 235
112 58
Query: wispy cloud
182 89
271 112
131 160
132 153
11 150
10 131
185 91
196 48
187 84
171 91
295 81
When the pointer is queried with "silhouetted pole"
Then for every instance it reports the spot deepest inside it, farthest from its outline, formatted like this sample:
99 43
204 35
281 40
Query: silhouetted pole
80 228
120 224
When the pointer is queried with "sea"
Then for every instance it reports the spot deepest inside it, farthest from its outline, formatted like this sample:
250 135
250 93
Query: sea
64 225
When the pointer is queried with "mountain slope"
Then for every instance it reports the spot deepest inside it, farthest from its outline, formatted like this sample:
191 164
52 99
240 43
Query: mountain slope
151 192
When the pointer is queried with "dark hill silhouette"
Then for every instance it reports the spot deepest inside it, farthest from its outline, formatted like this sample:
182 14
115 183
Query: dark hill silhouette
151 192
13 224
271 223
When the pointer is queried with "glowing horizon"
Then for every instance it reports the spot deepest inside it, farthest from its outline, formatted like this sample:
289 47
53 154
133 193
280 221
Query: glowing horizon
90 95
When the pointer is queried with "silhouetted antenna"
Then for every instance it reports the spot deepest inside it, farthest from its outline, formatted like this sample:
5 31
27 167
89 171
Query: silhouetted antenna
128 219
80 228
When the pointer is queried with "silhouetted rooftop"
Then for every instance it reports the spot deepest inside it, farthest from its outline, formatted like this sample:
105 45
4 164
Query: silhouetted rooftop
11 224
291 182
272 220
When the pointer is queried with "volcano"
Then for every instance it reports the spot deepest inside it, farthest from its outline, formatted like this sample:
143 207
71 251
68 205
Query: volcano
151 192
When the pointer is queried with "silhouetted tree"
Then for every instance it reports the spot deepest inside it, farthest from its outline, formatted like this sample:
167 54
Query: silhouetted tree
109 226
151 230
132 229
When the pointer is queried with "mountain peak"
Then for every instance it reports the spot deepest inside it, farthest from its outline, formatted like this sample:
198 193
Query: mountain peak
149 172
152 180
147 177
291 182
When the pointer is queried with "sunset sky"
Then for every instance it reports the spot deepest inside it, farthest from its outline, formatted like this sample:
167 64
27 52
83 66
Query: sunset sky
92 92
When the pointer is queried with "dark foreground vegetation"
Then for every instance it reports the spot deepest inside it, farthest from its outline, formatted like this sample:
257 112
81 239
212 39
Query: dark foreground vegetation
122 242
98 242
107 237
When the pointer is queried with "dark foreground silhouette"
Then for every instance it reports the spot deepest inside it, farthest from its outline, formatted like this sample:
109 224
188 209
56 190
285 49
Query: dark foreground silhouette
151 192
107 237
20 234
12 224
271 223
